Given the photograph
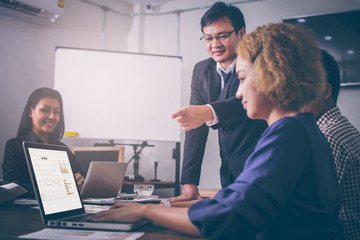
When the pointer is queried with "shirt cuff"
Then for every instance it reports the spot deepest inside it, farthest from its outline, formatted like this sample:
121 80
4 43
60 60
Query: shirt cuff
216 119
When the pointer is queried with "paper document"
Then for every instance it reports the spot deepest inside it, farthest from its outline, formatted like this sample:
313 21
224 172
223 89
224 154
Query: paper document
64 234
9 191
102 201
95 208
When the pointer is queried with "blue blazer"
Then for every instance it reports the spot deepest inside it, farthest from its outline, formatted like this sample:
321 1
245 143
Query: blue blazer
238 134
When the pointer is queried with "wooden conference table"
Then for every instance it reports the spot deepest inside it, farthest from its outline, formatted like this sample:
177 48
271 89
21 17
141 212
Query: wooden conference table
16 220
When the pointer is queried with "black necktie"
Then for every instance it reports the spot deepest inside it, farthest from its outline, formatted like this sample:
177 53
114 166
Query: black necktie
226 76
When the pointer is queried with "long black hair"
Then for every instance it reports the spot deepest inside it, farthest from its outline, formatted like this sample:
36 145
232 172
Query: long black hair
25 125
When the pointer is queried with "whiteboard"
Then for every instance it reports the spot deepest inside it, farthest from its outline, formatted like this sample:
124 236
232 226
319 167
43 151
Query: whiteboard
119 95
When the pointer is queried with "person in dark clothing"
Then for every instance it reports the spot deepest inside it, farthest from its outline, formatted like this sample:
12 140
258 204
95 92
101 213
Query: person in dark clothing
213 103
42 121
288 189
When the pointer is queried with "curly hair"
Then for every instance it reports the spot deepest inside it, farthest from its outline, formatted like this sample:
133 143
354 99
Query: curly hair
26 122
287 62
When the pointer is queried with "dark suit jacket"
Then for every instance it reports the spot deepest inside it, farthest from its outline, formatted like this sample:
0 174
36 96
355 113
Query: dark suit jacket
238 134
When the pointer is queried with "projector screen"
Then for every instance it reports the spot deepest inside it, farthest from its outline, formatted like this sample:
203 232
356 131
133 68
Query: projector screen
119 95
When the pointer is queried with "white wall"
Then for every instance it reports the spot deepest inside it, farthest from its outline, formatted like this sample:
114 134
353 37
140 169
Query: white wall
27 52
160 37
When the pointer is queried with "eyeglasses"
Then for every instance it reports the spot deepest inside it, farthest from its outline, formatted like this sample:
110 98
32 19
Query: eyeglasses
221 37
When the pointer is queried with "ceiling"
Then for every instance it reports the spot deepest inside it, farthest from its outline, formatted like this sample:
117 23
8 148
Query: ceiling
146 1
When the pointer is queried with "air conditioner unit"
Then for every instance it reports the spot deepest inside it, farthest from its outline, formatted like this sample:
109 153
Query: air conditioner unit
35 11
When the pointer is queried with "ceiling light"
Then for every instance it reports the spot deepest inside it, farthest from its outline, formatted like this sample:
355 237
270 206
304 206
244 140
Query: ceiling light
301 20
328 38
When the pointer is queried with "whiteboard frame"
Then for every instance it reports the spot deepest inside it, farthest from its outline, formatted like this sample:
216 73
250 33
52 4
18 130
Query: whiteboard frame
101 102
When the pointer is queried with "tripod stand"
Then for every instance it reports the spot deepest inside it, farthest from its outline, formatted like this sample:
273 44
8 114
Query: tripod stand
135 157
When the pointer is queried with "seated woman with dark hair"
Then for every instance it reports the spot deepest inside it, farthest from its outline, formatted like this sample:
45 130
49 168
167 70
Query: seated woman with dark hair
288 188
42 121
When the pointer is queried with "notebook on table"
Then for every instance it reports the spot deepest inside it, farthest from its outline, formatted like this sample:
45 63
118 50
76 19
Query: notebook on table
104 179
56 191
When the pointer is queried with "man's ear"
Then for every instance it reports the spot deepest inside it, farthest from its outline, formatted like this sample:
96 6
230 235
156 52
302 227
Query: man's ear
242 32
328 91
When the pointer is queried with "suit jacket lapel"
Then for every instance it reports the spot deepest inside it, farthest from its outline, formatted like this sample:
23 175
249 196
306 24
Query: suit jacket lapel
228 90
214 83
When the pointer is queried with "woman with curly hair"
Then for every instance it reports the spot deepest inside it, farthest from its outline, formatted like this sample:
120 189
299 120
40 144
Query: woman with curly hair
288 189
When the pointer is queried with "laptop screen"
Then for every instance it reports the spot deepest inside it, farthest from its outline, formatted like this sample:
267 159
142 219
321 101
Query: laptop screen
55 180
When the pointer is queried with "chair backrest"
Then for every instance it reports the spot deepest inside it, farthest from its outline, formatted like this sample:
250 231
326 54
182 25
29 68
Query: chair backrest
85 155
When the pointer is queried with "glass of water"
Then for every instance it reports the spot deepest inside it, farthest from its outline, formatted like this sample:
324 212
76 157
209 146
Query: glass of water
143 190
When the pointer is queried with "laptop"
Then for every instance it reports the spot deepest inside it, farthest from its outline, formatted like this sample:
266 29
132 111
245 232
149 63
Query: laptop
104 179
56 191
85 155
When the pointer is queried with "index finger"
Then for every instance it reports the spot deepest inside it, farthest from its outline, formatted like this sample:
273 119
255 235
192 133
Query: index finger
179 113
180 198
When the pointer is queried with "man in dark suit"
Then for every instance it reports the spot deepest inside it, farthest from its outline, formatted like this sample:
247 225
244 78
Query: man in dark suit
213 103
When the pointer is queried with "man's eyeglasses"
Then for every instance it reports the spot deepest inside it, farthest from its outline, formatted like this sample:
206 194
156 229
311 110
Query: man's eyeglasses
221 37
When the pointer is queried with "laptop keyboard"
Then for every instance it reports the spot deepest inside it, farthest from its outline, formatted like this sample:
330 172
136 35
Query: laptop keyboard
80 218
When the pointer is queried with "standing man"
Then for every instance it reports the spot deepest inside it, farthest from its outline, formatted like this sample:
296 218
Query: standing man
213 103
344 140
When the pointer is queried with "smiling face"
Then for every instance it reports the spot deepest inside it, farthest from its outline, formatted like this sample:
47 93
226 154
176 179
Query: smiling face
45 117
222 51
254 102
